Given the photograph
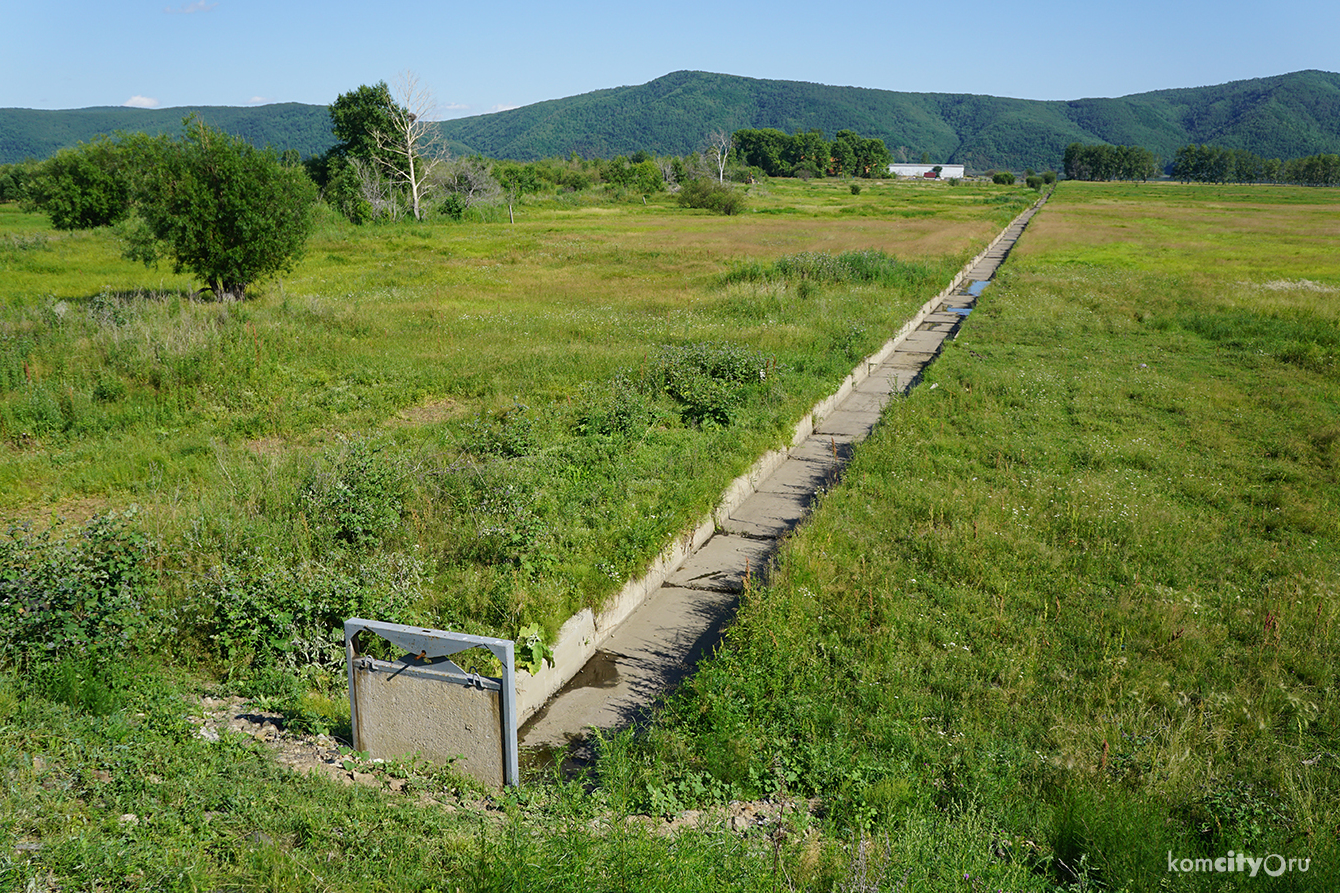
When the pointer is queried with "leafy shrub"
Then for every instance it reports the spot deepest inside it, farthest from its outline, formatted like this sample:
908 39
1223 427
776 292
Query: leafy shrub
709 380
1003 178
509 434
269 609
354 495
1033 182
856 189
77 596
531 650
712 196
453 206
613 409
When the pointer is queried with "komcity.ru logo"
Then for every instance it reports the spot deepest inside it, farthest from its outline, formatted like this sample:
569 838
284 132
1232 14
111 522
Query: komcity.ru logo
1273 864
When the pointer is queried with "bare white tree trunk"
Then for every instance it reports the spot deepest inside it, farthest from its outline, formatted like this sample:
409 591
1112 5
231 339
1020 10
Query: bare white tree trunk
414 148
667 174
718 149
374 189
469 180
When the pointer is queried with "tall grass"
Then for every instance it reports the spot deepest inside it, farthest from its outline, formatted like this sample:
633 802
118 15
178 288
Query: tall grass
1080 588
509 379
469 425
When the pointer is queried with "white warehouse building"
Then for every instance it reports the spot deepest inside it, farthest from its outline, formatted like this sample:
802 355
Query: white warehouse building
926 171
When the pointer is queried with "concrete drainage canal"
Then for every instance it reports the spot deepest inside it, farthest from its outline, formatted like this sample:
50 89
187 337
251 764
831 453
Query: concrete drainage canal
609 669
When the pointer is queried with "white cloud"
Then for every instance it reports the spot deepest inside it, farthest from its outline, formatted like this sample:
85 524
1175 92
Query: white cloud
504 108
259 100
140 102
454 106
188 8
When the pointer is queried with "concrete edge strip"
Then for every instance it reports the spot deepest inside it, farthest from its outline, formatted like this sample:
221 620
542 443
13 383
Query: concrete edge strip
583 633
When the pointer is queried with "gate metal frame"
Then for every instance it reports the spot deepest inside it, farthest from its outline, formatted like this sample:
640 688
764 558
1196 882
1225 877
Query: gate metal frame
437 645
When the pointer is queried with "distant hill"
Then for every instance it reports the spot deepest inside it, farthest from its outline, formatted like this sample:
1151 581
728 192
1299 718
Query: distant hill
36 133
1286 116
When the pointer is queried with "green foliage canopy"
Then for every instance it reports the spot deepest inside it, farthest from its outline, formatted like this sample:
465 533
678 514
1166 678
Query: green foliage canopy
1104 162
222 209
84 187
219 207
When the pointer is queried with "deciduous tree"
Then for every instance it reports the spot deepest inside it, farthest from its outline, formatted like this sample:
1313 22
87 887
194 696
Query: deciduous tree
226 211
409 146
718 150
516 180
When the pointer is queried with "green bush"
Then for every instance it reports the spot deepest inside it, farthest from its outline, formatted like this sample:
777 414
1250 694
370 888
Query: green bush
614 409
709 380
856 189
268 609
353 495
1003 178
77 596
712 196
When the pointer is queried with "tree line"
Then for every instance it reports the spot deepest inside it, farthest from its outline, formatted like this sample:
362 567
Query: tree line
807 154
1197 163
1106 162
1215 164
232 214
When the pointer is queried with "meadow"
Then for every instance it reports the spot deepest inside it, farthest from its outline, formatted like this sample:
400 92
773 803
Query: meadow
476 426
1072 612
1068 616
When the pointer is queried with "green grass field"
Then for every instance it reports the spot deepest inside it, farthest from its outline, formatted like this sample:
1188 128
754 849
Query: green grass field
1070 613
1076 599
490 386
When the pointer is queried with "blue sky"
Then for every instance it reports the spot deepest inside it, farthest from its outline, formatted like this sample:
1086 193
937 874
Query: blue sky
480 57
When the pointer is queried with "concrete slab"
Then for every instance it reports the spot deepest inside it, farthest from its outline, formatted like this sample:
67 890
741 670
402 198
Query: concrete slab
652 652
724 564
922 342
890 380
867 399
803 476
856 423
831 451
768 515
935 322
911 359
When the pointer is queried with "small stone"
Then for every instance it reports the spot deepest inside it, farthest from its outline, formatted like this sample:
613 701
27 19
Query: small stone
208 734
129 818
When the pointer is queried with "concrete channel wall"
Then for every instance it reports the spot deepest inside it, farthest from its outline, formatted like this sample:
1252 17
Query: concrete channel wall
584 633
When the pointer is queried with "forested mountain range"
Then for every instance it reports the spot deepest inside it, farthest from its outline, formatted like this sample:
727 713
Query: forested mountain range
37 133
1286 116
